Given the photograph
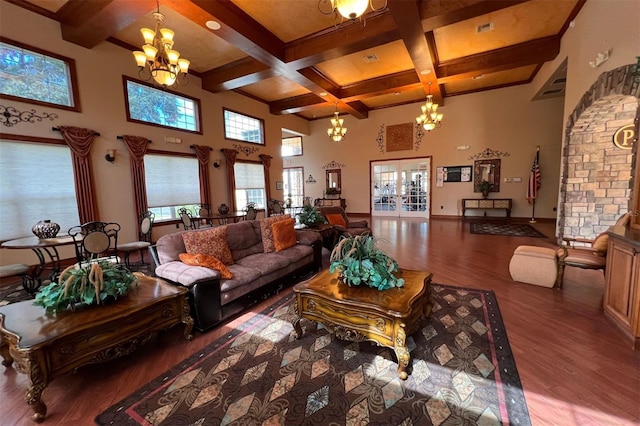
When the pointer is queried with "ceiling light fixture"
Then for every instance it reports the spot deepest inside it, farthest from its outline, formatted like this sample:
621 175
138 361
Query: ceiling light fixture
430 117
158 60
348 9
337 130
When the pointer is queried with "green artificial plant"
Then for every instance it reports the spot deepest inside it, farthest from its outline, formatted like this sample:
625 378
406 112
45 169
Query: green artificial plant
90 284
359 261
310 216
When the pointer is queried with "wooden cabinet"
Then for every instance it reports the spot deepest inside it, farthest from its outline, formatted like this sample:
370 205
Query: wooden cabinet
622 285
487 204
331 202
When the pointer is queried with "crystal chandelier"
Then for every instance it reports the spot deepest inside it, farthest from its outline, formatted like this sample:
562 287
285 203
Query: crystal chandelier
158 59
430 117
347 9
337 130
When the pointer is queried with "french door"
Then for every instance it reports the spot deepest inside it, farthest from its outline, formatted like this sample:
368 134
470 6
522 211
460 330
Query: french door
401 188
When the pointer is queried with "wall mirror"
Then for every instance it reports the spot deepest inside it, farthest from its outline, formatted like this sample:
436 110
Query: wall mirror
488 170
333 179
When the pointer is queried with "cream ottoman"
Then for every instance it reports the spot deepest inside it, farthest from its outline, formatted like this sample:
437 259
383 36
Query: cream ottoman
534 265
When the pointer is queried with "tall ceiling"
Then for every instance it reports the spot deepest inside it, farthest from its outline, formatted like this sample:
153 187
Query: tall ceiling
289 55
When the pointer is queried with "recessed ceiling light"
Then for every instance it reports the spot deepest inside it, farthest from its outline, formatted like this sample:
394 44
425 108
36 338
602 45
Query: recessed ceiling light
397 93
425 72
213 25
323 93
478 77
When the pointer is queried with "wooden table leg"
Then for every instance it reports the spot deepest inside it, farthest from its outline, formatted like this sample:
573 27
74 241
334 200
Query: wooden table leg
402 352
38 380
187 320
7 359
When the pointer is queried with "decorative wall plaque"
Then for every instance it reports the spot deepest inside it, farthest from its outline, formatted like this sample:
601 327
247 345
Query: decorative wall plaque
246 150
10 116
400 137
623 137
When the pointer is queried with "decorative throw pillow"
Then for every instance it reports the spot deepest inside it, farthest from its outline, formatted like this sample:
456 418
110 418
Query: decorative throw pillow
336 219
206 261
212 242
267 232
284 234
600 244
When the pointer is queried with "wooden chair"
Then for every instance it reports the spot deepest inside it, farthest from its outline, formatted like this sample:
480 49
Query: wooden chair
144 241
187 220
96 241
251 211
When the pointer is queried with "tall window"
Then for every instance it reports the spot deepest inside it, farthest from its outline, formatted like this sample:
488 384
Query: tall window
291 147
243 127
39 190
36 76
148 105
250 184
172 183
293 184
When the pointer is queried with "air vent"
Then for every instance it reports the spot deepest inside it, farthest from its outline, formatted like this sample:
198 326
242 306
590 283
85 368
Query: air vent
552 92
559 81
484 27
371 58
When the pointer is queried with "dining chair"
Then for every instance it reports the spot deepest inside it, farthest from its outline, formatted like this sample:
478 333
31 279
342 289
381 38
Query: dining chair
251 211
276 207
203 211
144 239
96 241
187 220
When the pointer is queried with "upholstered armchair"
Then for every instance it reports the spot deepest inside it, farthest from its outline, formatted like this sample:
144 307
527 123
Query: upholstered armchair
585 253
336 216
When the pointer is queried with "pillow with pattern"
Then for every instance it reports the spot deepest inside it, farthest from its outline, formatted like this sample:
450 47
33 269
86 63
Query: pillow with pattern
267 231
212 242
284 234
206 261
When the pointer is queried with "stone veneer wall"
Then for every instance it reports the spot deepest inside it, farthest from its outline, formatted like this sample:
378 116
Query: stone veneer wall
595 178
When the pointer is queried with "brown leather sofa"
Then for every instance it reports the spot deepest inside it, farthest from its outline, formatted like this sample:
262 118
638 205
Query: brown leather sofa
333 214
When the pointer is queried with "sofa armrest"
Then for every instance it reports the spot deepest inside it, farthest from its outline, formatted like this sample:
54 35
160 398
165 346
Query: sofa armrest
308 238
358 224
186 275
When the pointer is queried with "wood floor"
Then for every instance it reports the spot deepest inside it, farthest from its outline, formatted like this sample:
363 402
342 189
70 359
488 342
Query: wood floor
575 367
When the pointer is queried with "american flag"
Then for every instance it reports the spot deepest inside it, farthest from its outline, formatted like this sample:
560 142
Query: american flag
534 179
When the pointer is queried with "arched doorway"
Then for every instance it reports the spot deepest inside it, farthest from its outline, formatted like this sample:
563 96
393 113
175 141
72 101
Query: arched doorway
595 175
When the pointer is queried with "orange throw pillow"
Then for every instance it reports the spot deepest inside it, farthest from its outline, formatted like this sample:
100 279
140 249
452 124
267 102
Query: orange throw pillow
212 242
206 261
267 232
284 234
336 219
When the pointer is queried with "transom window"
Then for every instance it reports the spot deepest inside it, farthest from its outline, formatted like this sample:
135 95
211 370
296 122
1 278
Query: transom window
148 105
292 146
36 76
172 183
243 127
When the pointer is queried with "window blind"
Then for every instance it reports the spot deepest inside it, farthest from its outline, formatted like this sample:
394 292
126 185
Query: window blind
171 180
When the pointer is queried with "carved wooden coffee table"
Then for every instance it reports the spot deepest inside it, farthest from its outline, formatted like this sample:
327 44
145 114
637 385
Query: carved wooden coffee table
45 346
361 313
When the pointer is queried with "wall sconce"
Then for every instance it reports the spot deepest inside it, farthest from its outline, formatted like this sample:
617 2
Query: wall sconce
310 179
111 155
217 164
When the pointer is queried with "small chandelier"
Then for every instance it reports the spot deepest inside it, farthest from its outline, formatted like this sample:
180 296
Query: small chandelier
158 59
430 117
347 9
337 131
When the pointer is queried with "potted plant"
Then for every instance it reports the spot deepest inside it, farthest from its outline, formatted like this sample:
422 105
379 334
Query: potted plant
485 187
310 216
91 284
359 261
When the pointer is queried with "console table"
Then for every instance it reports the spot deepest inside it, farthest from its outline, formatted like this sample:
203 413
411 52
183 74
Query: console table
487 204
331 202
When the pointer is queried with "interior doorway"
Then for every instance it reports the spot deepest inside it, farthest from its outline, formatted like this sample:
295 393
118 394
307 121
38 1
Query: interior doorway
401 188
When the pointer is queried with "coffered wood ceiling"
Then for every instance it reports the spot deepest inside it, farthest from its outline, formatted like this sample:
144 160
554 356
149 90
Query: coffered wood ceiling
290 56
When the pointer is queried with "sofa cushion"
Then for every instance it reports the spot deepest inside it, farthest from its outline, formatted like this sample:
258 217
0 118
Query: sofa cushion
267 232
336 219
284 235
243 239
206 261
212 241
169 247
184 274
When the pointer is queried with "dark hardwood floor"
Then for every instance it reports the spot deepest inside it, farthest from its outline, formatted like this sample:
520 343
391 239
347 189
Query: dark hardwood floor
576 367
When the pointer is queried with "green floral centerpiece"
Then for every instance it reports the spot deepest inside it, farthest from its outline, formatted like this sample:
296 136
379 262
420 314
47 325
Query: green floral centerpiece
359 261
92 284
310 216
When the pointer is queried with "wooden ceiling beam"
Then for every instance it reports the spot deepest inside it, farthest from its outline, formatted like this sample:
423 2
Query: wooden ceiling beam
295 104
236 74
528 53
438 13
398 82
94 22
407 18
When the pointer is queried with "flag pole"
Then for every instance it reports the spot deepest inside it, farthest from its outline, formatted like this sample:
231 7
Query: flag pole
533 202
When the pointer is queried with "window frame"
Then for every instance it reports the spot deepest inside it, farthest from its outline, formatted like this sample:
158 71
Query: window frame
301 147
73 78
264 180
199 126
260 120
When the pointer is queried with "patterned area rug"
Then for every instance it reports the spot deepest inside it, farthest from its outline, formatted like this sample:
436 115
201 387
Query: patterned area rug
508 229
461 371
